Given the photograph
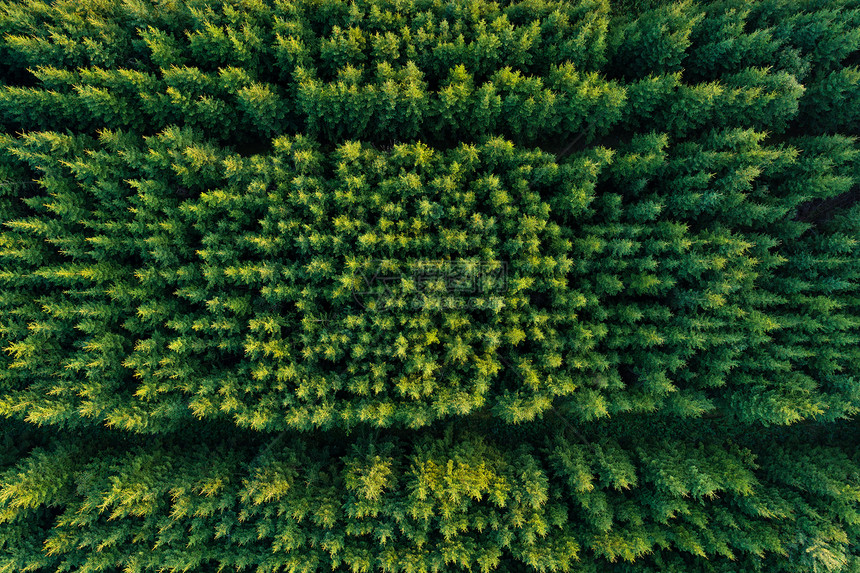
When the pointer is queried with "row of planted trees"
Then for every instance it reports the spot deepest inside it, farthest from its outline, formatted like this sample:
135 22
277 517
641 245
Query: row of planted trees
285 290
531 71
466 499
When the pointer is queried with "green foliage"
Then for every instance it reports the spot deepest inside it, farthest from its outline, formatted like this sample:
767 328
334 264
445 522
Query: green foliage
831 103
429 286
655 41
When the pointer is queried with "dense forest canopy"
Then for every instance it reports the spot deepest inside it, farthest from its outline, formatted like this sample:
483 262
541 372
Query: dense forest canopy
429 286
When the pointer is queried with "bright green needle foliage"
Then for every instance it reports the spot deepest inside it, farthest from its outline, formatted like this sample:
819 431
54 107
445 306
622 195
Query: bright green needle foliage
429 286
